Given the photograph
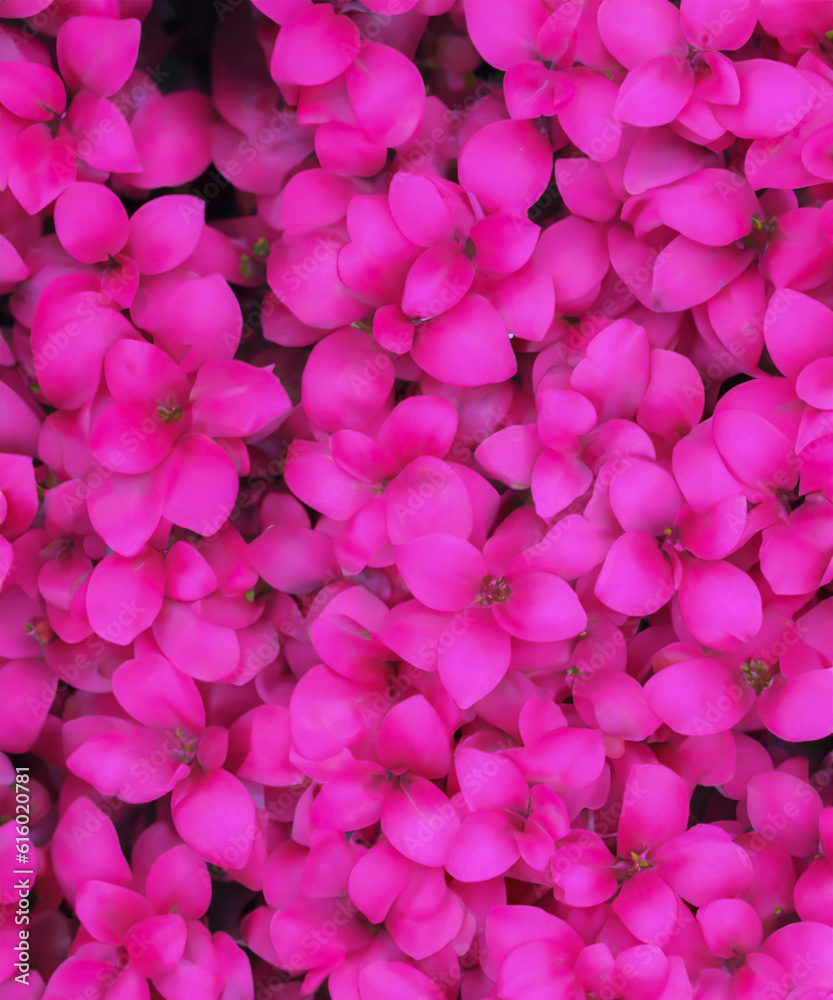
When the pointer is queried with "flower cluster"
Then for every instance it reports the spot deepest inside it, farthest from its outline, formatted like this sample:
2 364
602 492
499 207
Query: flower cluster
416 499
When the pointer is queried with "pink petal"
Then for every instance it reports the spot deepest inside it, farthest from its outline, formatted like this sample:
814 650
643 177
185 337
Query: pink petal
108 911
730 926
314 47
634 31
637 577
199 648
474 655
173 139
801 707
706 27
564 758
32 91
413 737
386 93
646 906
654 808
346 381
721 605
587 117
556 481
84 823
382 980
125 510
467 345
420 821
164 232
90 222
125 595
91 118
437 281
687 273
699 697
655 92
770 92
154 693
419 425
40 167
98 52
215 816
679 862
156 944
542 608
621 346
791 310
201 485
483 848
507 166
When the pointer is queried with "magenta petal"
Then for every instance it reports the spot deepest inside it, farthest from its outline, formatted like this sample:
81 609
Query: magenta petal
314 477
131 438
566 758
654 808
420 821
687 273
705 27
164 232
556 481
542 608
156 944
646 906
32 91
382 980
419 425
199 648
125 595
800 708
622 345
769 793
214 814
466 346
438 279
504 242
413 737
386 93
634 31
679 862
721 605
90 222
154 693
770 92
442 571
791 310
655 92
108 911
314 47
30 686
699 697
587 116
507 165
419 209
645 497
637 577
483 848
98 52
730 926
102 859
173 139
40 167
474 655
201 485
125 510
